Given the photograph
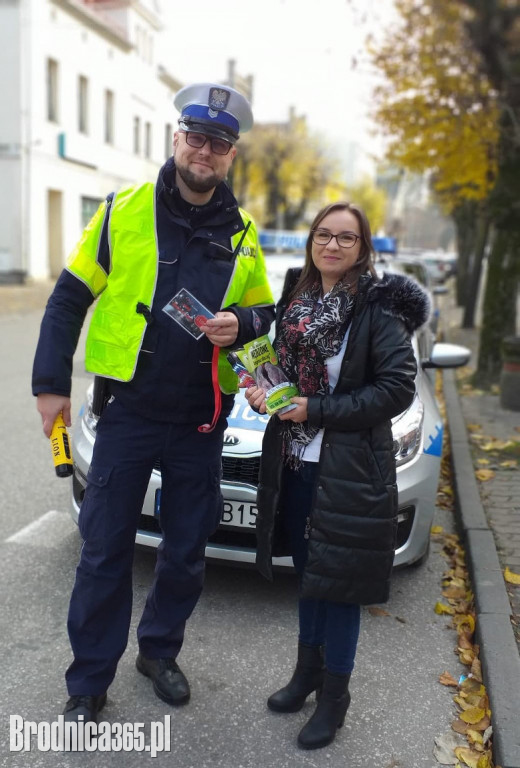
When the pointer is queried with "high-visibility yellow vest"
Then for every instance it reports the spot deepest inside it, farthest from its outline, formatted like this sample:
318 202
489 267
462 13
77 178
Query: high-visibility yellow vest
116 330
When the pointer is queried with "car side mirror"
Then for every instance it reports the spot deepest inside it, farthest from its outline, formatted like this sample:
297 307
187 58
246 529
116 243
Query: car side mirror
447 356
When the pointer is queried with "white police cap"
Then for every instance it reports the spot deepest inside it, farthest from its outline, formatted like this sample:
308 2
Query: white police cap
214 109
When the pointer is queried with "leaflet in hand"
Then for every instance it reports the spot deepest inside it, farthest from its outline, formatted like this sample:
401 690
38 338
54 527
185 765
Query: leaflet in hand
256 363
186 310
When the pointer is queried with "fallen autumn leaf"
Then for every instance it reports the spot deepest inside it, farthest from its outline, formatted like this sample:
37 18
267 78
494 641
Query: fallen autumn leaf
447 679
485 474
511 577
441 608
472 715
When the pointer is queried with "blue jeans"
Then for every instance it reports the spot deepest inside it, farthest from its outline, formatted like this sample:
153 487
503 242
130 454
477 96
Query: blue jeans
322 622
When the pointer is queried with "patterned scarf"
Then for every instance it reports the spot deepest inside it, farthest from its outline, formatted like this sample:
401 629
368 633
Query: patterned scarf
310 332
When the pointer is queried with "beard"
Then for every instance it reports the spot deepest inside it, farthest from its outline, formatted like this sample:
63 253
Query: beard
195 183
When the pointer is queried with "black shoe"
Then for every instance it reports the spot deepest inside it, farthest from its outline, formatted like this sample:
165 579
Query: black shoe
307 677
88 706
169 683
329 715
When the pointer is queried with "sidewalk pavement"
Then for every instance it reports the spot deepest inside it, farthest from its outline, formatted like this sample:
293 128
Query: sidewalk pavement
23 298
488 516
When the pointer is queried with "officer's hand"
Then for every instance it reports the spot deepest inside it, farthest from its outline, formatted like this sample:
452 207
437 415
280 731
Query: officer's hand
221 330
255 396
298 414
49 406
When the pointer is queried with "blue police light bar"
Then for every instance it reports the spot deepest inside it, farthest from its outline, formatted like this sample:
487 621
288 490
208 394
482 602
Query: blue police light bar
272 239
385 244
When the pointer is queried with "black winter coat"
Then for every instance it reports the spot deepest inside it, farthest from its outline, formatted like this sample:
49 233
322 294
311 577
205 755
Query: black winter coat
354 514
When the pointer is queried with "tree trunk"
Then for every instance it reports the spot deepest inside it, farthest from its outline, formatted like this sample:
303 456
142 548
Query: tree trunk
241 178
499 317
294 213
475 271
273 200
464 217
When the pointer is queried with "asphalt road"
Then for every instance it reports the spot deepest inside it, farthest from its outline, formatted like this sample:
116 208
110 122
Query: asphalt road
240 643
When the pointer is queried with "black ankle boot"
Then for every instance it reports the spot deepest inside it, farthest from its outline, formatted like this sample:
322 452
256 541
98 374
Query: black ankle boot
307 677
329 714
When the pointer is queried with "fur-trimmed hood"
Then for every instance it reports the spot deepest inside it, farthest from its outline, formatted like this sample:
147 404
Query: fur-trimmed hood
399 296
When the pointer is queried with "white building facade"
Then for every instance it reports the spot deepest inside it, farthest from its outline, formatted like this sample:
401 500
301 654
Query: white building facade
86 108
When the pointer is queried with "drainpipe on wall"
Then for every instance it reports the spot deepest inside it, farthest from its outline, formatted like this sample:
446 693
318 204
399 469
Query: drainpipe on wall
26 133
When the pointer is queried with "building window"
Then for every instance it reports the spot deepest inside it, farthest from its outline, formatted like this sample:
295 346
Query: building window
89 206
168 140
109 117
82 104
52 90
148 140
137 135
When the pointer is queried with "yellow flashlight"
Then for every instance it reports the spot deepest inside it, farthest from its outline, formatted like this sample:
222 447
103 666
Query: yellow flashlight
60 446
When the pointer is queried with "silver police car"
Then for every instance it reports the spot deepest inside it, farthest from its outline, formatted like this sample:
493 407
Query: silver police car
418 435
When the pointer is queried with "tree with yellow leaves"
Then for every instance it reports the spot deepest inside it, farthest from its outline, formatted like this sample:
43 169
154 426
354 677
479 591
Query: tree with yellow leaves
494 27
440 114
371 198
281 168
436 107
452 101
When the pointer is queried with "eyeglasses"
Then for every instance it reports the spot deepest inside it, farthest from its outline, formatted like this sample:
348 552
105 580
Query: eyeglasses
198 140
344 239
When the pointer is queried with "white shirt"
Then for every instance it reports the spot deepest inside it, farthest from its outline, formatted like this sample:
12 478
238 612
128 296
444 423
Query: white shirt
312 450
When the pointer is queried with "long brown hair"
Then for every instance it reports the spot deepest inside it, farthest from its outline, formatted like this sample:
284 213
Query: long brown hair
310 274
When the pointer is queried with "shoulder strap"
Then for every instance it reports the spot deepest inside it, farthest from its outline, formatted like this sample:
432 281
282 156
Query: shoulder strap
103 253
291 278
100 393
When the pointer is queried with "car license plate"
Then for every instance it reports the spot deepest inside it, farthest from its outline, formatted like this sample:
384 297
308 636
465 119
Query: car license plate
238 514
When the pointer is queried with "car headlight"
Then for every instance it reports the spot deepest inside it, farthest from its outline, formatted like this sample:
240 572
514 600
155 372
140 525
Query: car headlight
407 432
89 419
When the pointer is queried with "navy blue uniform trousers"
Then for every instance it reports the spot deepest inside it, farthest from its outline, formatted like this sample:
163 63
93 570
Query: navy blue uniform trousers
126 448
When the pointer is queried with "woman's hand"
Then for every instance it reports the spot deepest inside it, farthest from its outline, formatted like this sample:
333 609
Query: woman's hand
255 396
298 414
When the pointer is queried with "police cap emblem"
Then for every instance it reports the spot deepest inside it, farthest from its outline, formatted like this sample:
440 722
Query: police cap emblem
218 98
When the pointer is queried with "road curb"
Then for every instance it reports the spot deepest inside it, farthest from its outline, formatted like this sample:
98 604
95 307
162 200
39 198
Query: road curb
498 648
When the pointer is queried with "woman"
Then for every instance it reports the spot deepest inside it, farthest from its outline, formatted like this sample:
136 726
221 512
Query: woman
327 491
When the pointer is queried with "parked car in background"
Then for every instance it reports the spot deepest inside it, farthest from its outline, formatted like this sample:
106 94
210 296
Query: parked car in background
450 261
440 264
418 434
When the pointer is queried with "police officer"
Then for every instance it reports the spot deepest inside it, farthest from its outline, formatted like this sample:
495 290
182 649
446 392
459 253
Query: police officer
168 392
